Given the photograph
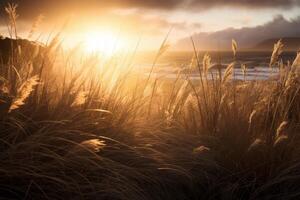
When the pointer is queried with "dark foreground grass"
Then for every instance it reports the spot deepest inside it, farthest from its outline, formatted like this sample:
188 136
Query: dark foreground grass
95 129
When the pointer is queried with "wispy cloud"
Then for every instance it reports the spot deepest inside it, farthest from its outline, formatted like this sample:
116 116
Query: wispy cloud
246 37
29 8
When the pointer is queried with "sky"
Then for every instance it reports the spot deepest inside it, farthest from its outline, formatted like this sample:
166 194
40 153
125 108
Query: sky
212 23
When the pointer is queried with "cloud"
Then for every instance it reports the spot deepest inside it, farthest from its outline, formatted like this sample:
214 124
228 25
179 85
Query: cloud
31 8
93 13
248 37
150 24
245 3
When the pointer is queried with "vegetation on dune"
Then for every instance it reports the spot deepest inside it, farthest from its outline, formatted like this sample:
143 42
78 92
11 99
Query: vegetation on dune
95 129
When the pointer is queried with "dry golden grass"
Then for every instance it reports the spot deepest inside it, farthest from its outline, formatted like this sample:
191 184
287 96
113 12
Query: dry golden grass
92 132
23 92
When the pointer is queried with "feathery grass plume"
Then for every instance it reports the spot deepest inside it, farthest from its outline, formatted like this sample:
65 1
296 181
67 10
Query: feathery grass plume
281 130
228 72
289 81
251 116
169 117
94 145
190 99
11 10
256 144
80 99
277 51
244 69
23 92
35 25
193 62
201 149
223 99
293 74
55 42
206 63
296 63
234 47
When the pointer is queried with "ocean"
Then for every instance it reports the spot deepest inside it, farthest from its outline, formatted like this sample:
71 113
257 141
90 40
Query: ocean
171 64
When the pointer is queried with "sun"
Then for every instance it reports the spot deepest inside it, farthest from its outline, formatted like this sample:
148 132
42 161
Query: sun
105 42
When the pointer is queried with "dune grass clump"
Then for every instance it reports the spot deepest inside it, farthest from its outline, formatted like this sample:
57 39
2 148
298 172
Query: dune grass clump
95 129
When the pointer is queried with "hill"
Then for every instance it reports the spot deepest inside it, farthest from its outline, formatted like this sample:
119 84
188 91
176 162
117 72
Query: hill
290 43
9 46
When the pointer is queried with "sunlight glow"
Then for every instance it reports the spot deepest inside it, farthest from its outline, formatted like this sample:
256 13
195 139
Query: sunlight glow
106 43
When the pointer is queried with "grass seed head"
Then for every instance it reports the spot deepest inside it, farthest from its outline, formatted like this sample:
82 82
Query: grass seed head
228 72
251 116
35 25
23 92
206 63
94 145
256 144
80 99
234 47
201 149
281 130
244 69
277 51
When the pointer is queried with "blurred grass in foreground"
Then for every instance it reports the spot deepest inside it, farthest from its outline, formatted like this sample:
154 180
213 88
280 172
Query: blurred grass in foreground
94 129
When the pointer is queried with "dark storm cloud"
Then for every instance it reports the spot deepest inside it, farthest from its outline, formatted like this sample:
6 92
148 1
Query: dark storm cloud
30 8
245 3
279 27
